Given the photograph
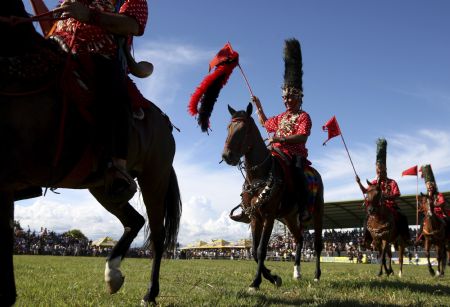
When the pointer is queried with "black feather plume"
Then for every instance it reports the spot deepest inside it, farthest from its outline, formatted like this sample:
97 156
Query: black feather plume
293 66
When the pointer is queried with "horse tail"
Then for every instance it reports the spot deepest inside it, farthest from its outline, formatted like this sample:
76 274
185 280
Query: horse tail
173 212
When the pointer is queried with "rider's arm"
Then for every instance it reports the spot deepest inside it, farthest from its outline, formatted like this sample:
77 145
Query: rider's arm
259 110
112 22
363 189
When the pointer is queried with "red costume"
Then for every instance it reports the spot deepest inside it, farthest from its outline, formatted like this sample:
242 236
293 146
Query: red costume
439 205
90 38
287 124
390 189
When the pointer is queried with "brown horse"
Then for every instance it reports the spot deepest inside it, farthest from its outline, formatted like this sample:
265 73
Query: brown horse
383 229
267 194
434 232
30 121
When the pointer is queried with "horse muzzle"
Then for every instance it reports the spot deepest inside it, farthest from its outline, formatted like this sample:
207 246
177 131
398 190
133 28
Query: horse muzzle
229 158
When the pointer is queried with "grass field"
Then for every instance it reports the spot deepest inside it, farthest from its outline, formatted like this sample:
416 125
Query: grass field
78 281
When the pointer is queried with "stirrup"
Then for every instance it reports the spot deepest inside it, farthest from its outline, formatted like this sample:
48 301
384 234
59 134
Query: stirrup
241 217
119 185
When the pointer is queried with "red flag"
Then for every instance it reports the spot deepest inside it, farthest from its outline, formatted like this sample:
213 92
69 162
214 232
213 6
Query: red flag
332 127
412 171
208 90
226 54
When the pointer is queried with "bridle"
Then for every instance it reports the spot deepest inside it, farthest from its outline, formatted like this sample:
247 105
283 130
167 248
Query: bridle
248 129
378 204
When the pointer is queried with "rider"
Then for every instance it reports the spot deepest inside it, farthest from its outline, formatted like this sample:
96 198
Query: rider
389 189
292 127
92 30
435 197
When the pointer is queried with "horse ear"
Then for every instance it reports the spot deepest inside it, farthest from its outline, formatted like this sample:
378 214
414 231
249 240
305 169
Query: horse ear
231 110
249 109
368 182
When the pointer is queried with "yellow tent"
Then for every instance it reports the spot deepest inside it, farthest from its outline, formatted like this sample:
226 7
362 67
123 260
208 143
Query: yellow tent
220 243
243 243
196 245
104 242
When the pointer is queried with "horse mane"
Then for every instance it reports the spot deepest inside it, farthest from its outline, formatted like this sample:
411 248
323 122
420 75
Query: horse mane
20 38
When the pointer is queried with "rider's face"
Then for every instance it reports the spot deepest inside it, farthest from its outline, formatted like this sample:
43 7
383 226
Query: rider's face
292 103
431 187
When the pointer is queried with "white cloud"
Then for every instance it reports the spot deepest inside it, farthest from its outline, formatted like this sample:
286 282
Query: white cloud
209 192
404 151
170 61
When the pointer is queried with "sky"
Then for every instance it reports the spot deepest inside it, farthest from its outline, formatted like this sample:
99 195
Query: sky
381 67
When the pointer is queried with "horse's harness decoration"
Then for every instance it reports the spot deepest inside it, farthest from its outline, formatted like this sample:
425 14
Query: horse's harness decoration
263 190
378 230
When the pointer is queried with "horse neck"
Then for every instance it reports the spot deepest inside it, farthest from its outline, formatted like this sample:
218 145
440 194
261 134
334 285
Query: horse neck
257 156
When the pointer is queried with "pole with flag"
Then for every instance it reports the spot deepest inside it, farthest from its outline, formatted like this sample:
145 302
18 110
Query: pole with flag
413 171
333 129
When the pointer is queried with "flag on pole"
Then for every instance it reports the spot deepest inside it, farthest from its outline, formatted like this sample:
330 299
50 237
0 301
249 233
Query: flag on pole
208 91
39 8
412 171
332 127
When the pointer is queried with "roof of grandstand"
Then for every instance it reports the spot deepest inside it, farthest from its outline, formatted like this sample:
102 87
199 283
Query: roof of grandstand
351 214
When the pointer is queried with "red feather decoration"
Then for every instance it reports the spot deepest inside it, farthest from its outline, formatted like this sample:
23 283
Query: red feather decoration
208 91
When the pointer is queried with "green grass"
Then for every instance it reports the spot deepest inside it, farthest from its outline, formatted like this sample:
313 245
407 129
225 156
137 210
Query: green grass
78 281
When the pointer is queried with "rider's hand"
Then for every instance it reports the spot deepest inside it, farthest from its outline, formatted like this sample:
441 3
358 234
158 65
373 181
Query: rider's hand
257 103
74 9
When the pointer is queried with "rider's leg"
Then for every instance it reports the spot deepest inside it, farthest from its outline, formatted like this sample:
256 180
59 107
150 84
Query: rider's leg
301 188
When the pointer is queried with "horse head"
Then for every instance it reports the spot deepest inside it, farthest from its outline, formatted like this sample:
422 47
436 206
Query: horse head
374 197
426 205
238 142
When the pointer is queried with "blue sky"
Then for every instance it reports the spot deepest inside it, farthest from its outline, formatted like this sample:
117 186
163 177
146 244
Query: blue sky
382 67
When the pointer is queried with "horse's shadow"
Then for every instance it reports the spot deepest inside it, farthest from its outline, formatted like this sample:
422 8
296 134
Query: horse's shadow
398 285
264 300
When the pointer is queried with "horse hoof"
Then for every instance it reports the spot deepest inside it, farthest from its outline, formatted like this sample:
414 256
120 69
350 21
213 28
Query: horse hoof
278 281
438 273
115 281
252 289
147 304
316 279
400 274
297 277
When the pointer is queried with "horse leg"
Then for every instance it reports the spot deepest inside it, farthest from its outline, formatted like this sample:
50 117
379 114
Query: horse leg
296 231
389 264
163 200
261 256
256 237
383 258
439 259
318 244
401 252
8 287
132 222
427 253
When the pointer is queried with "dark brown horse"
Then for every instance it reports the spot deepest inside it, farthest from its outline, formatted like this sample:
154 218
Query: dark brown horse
268 197
434 232
30 123
383 229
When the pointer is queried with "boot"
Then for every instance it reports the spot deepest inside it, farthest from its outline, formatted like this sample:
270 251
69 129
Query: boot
120 186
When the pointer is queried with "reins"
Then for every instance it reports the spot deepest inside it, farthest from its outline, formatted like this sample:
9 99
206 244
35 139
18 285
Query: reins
17 20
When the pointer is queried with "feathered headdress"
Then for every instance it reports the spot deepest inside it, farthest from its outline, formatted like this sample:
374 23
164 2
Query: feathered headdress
381 151
293 68
207 92
427 173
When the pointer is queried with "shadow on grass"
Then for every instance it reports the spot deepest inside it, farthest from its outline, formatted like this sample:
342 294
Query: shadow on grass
265 300
396 285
